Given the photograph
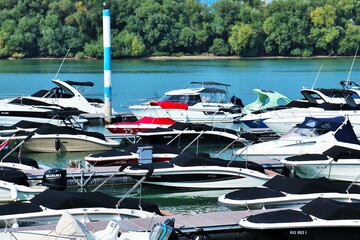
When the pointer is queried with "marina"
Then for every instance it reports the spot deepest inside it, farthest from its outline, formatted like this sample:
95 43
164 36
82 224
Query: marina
134 82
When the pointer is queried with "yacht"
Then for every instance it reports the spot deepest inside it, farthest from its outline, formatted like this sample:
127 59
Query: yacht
208 103
313 135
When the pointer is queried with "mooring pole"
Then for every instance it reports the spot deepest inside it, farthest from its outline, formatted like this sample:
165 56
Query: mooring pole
107 64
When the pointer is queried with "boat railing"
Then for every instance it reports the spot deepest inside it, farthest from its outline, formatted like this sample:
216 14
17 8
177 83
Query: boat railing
195 139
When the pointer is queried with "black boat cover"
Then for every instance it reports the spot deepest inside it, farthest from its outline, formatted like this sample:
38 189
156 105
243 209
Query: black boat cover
281 216
19 207
191 126
307 186
47 128
14 176
329 209
22 160
253 193
62 200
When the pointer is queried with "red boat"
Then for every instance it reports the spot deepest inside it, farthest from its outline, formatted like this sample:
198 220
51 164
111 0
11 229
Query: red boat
145 123
134 154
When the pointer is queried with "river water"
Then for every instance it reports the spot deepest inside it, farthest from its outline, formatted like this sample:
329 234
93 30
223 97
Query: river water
134 81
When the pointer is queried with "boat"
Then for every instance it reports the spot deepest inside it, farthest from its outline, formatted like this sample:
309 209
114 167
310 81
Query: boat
66 94
200 171
47 207
143 124
322 218
265 99
208 103
67 227
313 135
182 134
15 186
51 138
136 153
289 192
320 102
341 162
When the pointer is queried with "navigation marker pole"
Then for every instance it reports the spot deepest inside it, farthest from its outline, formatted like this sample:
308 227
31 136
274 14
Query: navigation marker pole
107 65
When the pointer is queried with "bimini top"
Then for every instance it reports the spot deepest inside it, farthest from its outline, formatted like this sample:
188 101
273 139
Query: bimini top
74 83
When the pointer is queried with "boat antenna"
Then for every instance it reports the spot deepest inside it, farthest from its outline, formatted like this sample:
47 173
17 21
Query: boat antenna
352 65
62 63
317 76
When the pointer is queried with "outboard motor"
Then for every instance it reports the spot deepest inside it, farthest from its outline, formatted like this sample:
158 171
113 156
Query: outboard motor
237 101
164 231
55 179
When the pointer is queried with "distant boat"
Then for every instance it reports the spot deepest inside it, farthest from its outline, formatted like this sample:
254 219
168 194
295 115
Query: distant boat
208 103
65 95
50 138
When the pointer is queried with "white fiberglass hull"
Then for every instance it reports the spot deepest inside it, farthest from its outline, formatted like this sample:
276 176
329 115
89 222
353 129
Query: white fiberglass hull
10 192
340 170
202 177
66 143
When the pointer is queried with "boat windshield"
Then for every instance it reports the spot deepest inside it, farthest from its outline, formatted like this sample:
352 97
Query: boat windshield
310 129
187 99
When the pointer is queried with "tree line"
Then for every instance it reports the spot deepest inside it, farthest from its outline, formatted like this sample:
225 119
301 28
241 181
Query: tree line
249 28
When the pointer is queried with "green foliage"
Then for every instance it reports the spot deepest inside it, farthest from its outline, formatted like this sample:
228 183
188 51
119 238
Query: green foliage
32 28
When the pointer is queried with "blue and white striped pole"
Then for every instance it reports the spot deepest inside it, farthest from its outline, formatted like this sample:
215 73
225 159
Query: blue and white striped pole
107 65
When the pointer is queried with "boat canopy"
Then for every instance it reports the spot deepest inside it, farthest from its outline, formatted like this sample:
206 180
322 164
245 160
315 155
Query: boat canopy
211 83
325 208
74 83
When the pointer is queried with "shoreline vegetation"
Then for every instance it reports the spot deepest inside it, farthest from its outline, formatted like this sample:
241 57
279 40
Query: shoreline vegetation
193 57
174 29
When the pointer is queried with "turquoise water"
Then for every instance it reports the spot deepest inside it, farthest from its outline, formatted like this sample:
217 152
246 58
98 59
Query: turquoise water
134 81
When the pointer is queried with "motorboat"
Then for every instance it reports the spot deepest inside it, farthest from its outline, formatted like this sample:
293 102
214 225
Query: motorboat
66 94
265 99
67 227
341 162
136 153
51 138
143 124
313 135
199 171
47 207
322 218
286 192
208 103
183 134
316 103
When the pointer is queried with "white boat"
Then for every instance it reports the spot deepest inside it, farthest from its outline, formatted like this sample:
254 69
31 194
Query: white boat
314 135
208 103
136 153
339 163
51 138
47 207
184 134
316 103
286 192
189 170
66 94
321 218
